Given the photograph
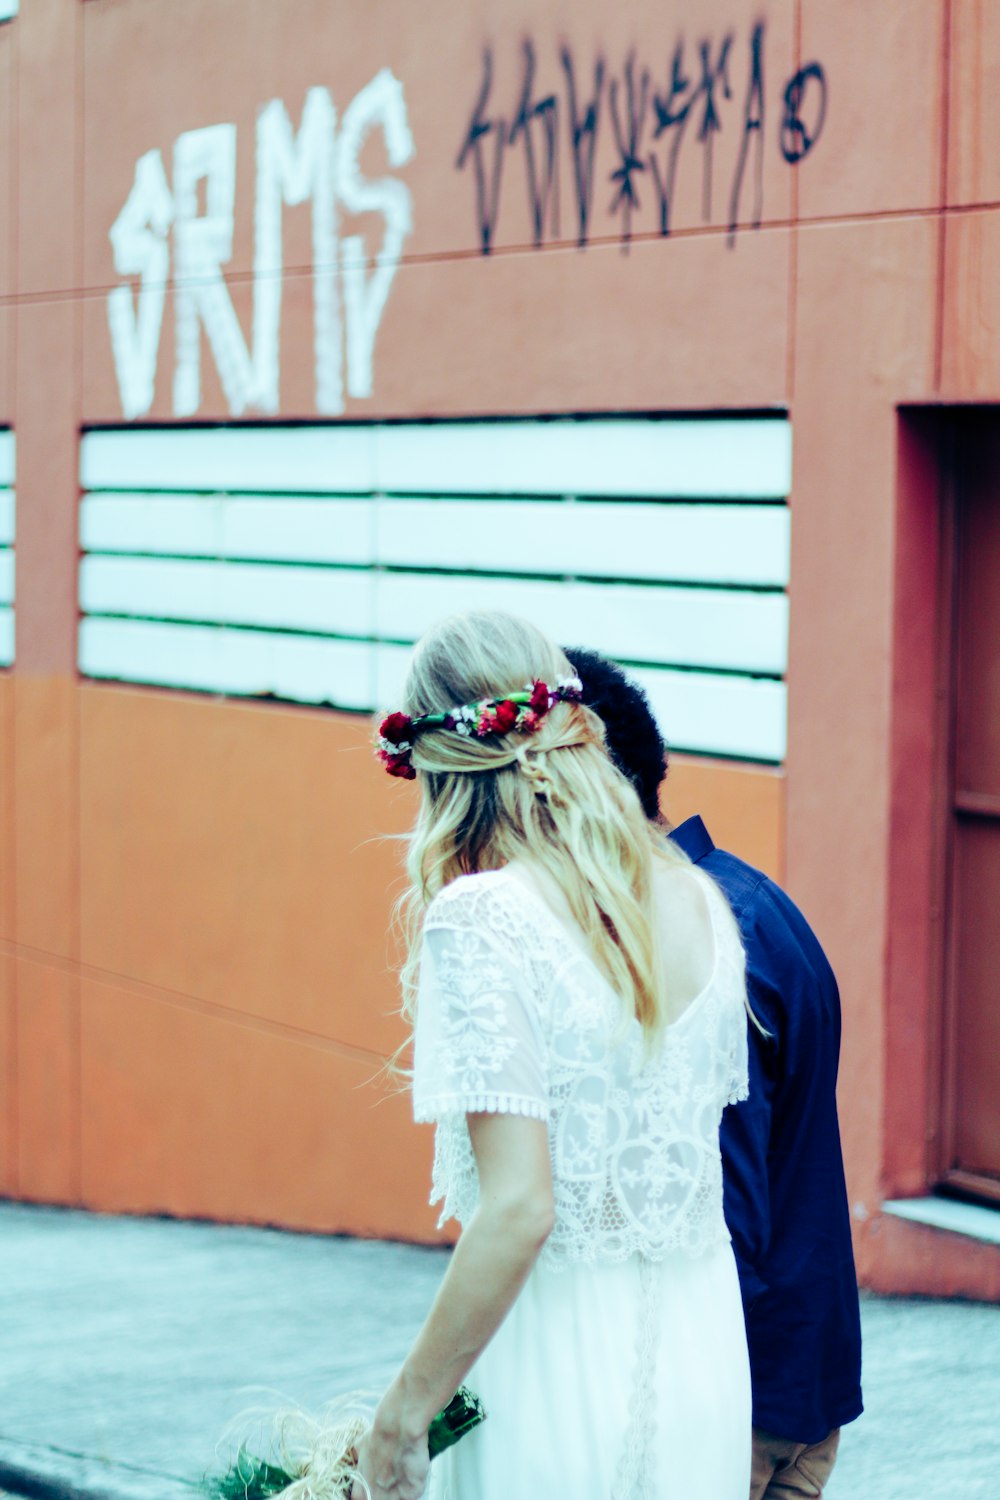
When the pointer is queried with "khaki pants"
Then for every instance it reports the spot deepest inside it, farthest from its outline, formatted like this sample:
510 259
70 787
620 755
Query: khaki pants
783 1470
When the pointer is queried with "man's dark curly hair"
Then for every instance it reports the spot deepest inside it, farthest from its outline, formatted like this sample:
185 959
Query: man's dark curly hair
633 736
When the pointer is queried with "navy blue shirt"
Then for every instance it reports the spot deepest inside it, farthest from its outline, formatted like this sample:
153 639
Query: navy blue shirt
785 1196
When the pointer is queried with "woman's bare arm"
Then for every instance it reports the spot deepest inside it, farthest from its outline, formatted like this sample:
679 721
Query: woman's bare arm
490 1264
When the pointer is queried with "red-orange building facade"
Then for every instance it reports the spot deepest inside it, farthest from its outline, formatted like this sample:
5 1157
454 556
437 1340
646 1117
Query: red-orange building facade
677 330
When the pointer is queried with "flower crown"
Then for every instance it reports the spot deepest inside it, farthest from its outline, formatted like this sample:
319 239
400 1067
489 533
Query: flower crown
522 711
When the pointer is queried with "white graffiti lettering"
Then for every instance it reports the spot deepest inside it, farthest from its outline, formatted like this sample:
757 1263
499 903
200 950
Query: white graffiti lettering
318 163
290 172
381 100
139 245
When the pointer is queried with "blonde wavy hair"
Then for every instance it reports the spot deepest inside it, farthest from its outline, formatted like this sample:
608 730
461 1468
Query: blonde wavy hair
551 798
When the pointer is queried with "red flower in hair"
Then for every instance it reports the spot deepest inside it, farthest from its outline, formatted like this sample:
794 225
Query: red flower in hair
505 716
399 765
397 729
539 700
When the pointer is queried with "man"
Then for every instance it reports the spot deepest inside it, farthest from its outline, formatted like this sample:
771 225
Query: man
785 1196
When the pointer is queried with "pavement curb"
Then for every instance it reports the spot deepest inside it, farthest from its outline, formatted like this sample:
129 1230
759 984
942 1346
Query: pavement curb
56 1474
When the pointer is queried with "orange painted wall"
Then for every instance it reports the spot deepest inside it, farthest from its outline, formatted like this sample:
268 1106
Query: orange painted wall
211 1038
193 983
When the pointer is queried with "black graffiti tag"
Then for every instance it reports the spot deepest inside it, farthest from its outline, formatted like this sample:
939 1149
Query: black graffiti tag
753 128
628 133
542 177
489 171
583 139
712 75
798 138
671 117
649 125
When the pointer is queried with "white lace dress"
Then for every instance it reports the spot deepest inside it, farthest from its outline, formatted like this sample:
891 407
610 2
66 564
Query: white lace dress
621 1371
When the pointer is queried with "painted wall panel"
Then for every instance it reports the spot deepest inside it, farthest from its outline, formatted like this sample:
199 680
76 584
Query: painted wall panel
48 111
9 1064
46 811
8 863
840 656
642 339
151 1069
48 1073
606 337
242 860
856 169
974 101
46 420
971 307
8 158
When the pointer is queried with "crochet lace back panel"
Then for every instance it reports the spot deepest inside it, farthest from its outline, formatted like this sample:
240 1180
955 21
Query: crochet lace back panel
514 1017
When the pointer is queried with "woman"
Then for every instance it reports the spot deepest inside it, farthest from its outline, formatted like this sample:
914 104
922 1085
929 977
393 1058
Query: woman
579 1027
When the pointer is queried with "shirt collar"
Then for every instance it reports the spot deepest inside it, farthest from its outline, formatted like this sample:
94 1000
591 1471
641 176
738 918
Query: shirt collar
694 839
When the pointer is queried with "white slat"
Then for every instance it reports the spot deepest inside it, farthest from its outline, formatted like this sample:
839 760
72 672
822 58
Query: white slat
243 662
8 9
735 716
697 711
334 601
331 459
8 458
286 529
8 522
6 576
745 544
672 458
6 636
693 627
720 459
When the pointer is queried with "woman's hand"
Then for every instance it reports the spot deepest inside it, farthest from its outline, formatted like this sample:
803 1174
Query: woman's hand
394 1462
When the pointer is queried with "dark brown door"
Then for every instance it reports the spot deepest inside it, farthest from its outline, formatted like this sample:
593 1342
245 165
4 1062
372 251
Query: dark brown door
971 1136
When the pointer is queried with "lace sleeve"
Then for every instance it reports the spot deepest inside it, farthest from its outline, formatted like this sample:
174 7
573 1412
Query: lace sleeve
478 1044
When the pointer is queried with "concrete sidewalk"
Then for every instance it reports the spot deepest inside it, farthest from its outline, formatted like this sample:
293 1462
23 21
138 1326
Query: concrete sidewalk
126 1345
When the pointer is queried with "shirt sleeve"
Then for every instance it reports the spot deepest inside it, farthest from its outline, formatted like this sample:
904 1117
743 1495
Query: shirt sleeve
478 1044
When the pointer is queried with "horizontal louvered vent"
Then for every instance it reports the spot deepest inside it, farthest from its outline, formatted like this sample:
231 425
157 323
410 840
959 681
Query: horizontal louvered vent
303 561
